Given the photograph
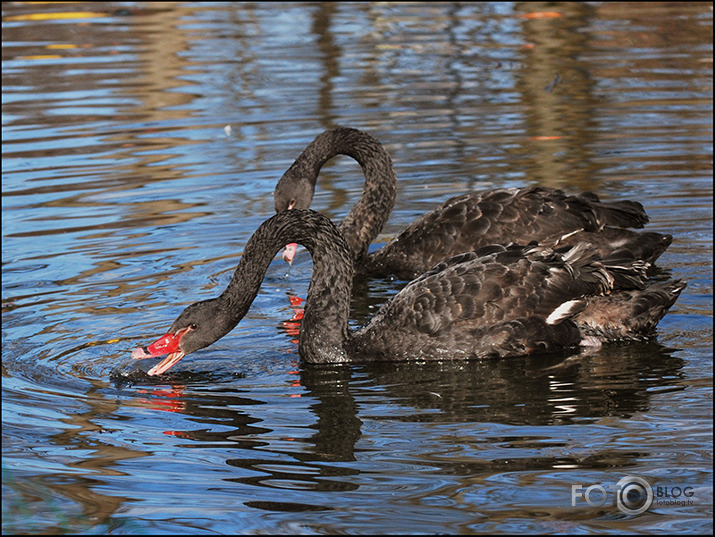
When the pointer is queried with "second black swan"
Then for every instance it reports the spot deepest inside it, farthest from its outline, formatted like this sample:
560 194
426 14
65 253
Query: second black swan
493 303
464 222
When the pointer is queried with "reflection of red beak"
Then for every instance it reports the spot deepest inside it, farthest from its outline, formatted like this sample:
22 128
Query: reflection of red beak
289 252
166 344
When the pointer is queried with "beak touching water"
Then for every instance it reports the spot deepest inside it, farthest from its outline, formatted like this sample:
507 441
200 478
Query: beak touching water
166 344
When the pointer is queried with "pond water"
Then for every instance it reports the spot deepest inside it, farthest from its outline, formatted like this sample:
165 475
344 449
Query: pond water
141 146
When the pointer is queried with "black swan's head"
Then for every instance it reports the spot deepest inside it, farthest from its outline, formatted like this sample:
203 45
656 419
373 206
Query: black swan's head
197 327
294 190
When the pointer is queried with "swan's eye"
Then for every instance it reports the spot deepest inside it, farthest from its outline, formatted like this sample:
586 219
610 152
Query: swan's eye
192 326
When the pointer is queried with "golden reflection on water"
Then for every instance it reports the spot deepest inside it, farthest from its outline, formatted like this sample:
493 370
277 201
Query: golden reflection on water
121 181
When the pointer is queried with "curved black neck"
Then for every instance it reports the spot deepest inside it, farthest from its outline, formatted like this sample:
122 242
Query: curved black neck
324 329
366 219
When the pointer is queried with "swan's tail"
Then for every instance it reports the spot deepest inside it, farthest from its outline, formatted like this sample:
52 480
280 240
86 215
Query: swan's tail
618 243
624 213
628 314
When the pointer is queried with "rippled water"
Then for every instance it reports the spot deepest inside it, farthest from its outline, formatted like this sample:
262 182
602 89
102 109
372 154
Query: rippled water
126 197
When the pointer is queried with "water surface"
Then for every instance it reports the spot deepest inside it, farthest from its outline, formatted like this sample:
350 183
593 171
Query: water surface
141 146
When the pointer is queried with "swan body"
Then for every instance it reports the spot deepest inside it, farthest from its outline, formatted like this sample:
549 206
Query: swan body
496 302
463 223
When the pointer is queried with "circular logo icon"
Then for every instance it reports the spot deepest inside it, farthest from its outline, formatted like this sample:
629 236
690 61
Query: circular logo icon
634 495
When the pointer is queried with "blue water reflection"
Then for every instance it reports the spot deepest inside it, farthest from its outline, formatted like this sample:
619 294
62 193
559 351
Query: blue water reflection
141 146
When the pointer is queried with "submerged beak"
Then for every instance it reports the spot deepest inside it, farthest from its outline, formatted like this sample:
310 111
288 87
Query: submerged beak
166 344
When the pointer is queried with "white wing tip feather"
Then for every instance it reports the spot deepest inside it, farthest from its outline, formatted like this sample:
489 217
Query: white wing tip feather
564 311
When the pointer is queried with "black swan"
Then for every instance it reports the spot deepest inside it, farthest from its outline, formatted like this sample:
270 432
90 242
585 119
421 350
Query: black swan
496 302
462 223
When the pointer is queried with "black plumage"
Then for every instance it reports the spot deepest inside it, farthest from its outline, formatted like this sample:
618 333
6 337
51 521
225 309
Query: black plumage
498 301
462 223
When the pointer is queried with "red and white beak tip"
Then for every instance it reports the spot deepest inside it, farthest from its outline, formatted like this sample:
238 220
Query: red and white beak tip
166 344
166 364
289 252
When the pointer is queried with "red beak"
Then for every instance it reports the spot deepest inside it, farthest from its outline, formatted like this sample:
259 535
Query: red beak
166 344
289 252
